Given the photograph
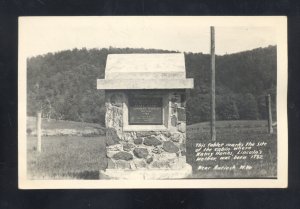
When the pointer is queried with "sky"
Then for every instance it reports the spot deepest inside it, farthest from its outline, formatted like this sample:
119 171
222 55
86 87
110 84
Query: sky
40 35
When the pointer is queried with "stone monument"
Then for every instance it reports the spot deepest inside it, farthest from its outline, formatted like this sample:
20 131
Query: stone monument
145 116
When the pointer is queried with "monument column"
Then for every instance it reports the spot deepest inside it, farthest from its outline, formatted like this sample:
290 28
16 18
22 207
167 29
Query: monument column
145 116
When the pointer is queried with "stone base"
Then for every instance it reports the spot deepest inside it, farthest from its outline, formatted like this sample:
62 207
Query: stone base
146 174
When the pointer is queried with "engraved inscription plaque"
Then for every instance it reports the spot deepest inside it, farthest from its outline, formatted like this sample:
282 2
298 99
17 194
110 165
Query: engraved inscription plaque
145 111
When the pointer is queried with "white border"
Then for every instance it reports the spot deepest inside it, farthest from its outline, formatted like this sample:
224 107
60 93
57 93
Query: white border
279 22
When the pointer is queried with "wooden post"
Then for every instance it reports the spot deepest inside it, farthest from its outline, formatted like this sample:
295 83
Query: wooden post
39 130
213 85
269 109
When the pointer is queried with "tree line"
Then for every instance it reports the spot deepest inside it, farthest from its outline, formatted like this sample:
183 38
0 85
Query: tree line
63 84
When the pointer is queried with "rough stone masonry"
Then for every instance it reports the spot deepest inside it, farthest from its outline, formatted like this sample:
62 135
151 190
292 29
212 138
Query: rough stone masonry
145 149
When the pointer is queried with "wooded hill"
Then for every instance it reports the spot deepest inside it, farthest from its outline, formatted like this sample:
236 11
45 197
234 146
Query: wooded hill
63 84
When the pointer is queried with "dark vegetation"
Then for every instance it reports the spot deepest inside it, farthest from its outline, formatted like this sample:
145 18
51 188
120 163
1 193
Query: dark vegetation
63 84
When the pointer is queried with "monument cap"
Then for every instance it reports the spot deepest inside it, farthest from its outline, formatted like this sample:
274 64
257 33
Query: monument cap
145 71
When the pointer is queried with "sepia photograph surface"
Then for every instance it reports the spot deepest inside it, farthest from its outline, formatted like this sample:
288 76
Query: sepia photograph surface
152 102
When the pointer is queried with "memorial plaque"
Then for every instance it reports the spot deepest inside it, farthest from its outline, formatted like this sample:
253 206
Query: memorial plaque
145 111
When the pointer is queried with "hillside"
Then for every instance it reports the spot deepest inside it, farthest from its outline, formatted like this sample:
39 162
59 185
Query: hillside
63 84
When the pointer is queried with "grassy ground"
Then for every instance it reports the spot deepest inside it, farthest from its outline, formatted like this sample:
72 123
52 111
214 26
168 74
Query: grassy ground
66 157
234 132
52 125
238 126
77 157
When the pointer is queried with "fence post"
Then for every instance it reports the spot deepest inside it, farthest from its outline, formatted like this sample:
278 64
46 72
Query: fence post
39 130
269 109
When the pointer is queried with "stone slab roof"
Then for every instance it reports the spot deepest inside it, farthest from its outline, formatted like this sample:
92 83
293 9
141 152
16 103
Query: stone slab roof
145 71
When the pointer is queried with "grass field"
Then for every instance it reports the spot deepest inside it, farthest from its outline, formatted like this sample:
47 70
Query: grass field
54 124
66 157
243 126
78 157
51 127
235 132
